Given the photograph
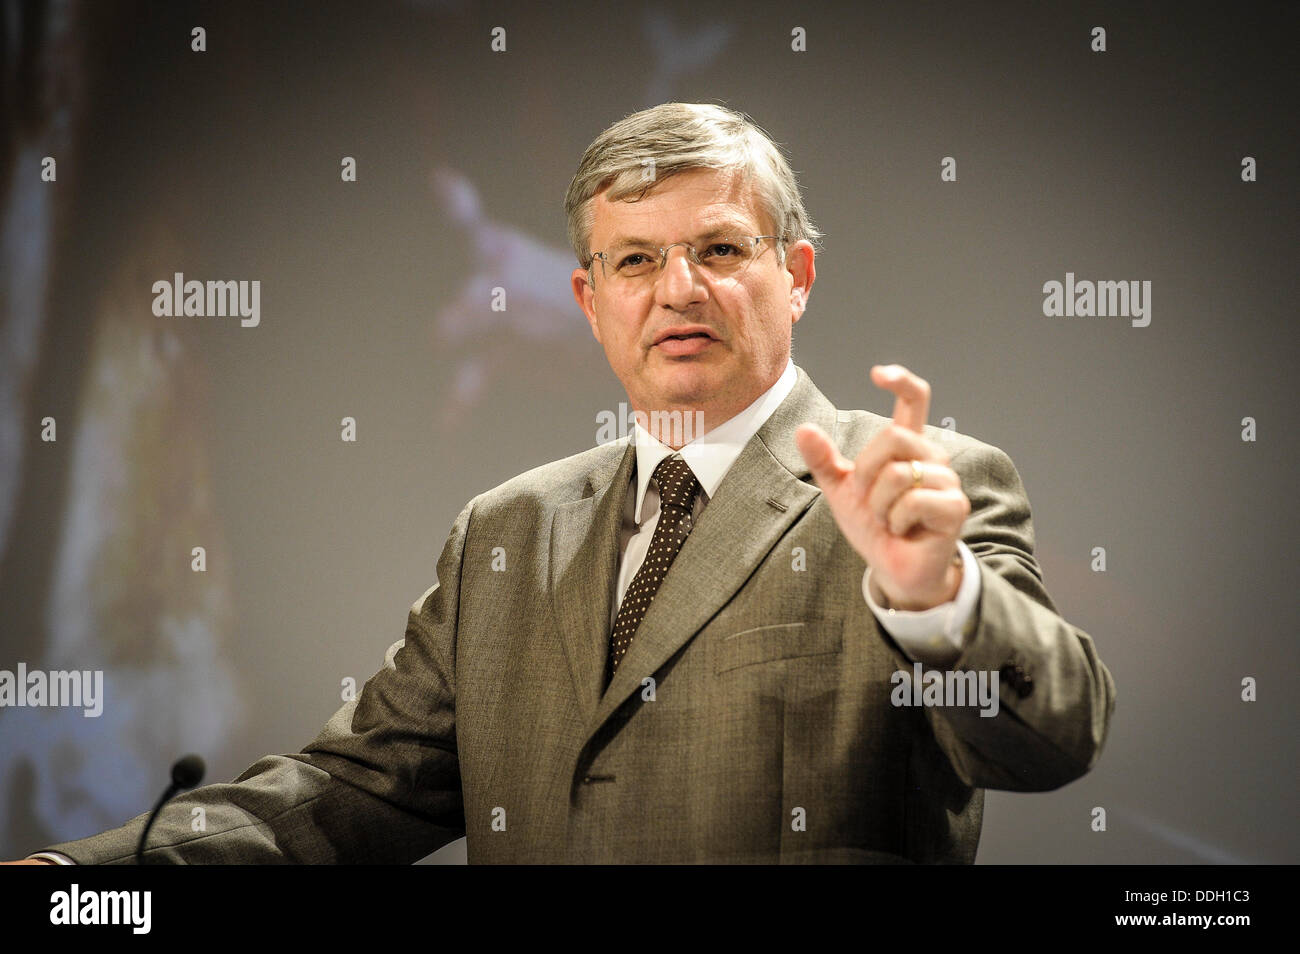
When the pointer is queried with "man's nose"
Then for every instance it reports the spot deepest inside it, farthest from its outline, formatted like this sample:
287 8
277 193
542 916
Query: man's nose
681 282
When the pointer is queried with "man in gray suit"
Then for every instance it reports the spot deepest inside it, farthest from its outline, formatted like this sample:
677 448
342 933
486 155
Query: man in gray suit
764 630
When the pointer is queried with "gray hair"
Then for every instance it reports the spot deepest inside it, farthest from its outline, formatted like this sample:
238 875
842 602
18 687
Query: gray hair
643 149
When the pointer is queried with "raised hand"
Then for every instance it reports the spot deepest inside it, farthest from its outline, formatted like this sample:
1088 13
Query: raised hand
899 504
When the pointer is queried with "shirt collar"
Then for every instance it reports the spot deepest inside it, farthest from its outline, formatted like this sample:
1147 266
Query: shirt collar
710 456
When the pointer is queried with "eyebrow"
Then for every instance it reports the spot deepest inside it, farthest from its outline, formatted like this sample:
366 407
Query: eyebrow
727 230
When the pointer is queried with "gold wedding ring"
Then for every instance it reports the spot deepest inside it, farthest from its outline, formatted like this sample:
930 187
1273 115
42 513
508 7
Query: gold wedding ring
917 473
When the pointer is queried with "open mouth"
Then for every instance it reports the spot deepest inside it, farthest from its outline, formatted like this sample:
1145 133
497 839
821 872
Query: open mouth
686 343
677 333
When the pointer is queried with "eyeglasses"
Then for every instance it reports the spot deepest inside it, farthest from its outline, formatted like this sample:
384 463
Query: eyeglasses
634 265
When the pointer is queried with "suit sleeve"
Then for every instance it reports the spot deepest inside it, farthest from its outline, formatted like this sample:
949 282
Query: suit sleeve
1055 694
379 784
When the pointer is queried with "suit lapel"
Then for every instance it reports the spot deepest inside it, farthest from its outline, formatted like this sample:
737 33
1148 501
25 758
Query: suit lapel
584 564
759 498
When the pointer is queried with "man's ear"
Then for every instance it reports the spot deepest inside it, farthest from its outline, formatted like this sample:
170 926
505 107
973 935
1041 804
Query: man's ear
584 292
802 272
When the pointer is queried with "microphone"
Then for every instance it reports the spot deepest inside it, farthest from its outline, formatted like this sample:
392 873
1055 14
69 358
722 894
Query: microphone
186 773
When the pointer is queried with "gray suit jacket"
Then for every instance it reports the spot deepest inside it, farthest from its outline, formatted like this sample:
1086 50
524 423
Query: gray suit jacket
767 734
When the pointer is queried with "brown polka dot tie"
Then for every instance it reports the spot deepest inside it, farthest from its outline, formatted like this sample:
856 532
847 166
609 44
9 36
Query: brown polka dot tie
677 490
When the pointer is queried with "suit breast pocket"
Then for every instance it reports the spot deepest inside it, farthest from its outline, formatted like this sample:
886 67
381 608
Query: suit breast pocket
777 641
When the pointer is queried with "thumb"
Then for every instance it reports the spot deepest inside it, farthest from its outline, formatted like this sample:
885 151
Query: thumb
822 456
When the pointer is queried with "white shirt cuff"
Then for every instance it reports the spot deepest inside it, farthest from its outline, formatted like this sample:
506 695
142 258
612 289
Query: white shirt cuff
54 856
933 635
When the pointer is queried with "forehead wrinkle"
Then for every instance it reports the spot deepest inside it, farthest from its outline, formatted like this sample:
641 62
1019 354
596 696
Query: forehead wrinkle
728 229
723 201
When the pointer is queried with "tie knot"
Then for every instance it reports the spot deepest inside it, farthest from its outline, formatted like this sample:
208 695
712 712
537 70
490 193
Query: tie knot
677 483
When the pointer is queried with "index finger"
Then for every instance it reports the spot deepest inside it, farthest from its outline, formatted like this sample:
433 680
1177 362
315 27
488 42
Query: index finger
913 394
